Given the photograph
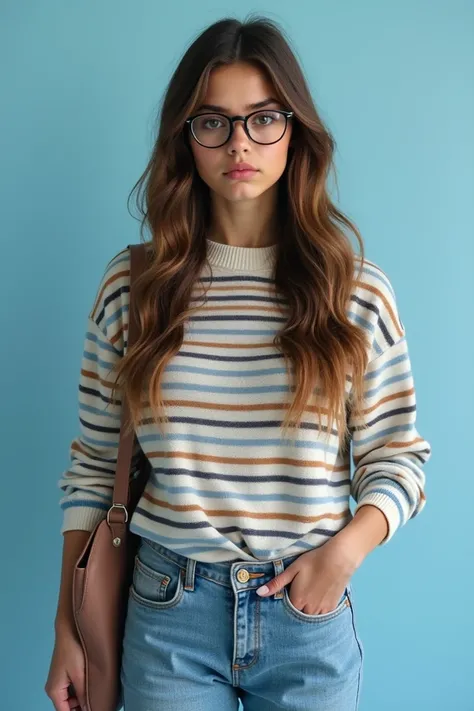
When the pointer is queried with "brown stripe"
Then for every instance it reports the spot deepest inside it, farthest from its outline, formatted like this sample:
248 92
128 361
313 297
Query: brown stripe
392 445
388 306
243 513
389 398
195 457
403 445
76 446
224 407
120 334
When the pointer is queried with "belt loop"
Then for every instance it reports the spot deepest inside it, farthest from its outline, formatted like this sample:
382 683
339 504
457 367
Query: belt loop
279 568
189 575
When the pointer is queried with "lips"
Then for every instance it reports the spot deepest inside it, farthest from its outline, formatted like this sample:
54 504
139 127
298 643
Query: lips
241 166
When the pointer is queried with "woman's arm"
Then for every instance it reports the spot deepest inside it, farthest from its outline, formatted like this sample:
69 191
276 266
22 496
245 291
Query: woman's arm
73 544
389 453
88 482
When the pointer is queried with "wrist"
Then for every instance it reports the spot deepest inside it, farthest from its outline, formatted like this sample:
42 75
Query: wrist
64 622
349 548
367 529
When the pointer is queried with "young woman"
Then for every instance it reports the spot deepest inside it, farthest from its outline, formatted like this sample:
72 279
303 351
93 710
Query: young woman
242 582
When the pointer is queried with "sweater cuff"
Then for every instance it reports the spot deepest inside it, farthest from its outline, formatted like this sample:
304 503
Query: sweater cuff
388 507
82 518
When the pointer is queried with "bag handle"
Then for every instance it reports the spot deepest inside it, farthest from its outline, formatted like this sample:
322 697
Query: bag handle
118 512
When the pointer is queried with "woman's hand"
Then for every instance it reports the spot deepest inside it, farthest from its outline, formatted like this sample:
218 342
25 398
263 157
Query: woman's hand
67 667
318 578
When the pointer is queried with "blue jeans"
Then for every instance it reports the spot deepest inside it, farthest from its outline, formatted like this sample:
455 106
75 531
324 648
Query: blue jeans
199 638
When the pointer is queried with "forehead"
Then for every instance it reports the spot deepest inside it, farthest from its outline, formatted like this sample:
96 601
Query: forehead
239 87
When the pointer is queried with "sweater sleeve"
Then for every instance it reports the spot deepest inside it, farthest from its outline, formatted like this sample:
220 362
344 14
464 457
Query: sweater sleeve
388 452
87 484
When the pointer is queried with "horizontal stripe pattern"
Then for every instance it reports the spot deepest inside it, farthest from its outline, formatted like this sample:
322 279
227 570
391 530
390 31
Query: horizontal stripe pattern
225 484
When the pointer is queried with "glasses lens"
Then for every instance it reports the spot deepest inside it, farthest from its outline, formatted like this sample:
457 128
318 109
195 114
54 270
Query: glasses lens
267 126
211 130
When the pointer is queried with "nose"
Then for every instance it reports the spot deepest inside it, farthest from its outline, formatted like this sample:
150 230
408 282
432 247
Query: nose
239 137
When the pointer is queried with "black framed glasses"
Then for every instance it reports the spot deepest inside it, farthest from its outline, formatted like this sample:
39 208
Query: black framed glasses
213 130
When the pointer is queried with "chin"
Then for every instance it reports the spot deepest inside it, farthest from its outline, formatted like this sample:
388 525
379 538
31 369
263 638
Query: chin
237 191
239 195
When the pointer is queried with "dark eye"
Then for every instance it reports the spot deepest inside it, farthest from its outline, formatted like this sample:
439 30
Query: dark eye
212 121
265 119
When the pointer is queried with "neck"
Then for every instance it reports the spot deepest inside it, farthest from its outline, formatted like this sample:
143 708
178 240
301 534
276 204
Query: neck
245 223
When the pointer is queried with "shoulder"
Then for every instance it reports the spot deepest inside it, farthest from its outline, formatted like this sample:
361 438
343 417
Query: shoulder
373 306
112 300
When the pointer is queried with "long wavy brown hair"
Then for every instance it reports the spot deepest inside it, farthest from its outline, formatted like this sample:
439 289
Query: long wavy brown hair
315 264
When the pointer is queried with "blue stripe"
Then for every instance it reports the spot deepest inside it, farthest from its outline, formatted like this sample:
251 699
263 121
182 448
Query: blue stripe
94 358
231 318
277 442
358 319
97 411
117 315
382 434
379 276
232 494
213 372
104 345
194 387
388 381
89 503
416 470
100 442
391 496
381 478
388 364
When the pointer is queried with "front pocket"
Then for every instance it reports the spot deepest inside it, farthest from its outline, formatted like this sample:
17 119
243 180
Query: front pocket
342 605
156 588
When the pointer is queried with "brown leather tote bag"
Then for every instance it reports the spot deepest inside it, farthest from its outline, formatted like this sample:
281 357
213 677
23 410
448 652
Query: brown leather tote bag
104 570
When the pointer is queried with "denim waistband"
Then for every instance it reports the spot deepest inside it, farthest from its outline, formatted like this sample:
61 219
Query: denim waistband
222 571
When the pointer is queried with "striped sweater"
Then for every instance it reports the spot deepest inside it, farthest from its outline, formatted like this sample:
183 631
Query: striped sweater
225 484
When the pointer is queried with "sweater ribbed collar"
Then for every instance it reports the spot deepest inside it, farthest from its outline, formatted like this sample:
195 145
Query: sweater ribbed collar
248 259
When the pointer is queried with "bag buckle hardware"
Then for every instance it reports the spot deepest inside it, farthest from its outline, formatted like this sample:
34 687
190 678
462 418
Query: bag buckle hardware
117 506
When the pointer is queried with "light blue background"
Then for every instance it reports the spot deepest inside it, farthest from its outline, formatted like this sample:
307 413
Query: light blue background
80 84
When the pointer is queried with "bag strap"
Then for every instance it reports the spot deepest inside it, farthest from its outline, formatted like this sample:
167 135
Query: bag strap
118 512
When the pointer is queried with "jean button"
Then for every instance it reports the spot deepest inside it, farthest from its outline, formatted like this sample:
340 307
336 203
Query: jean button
243 575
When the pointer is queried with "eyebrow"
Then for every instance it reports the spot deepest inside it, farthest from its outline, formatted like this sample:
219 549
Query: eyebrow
249 107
